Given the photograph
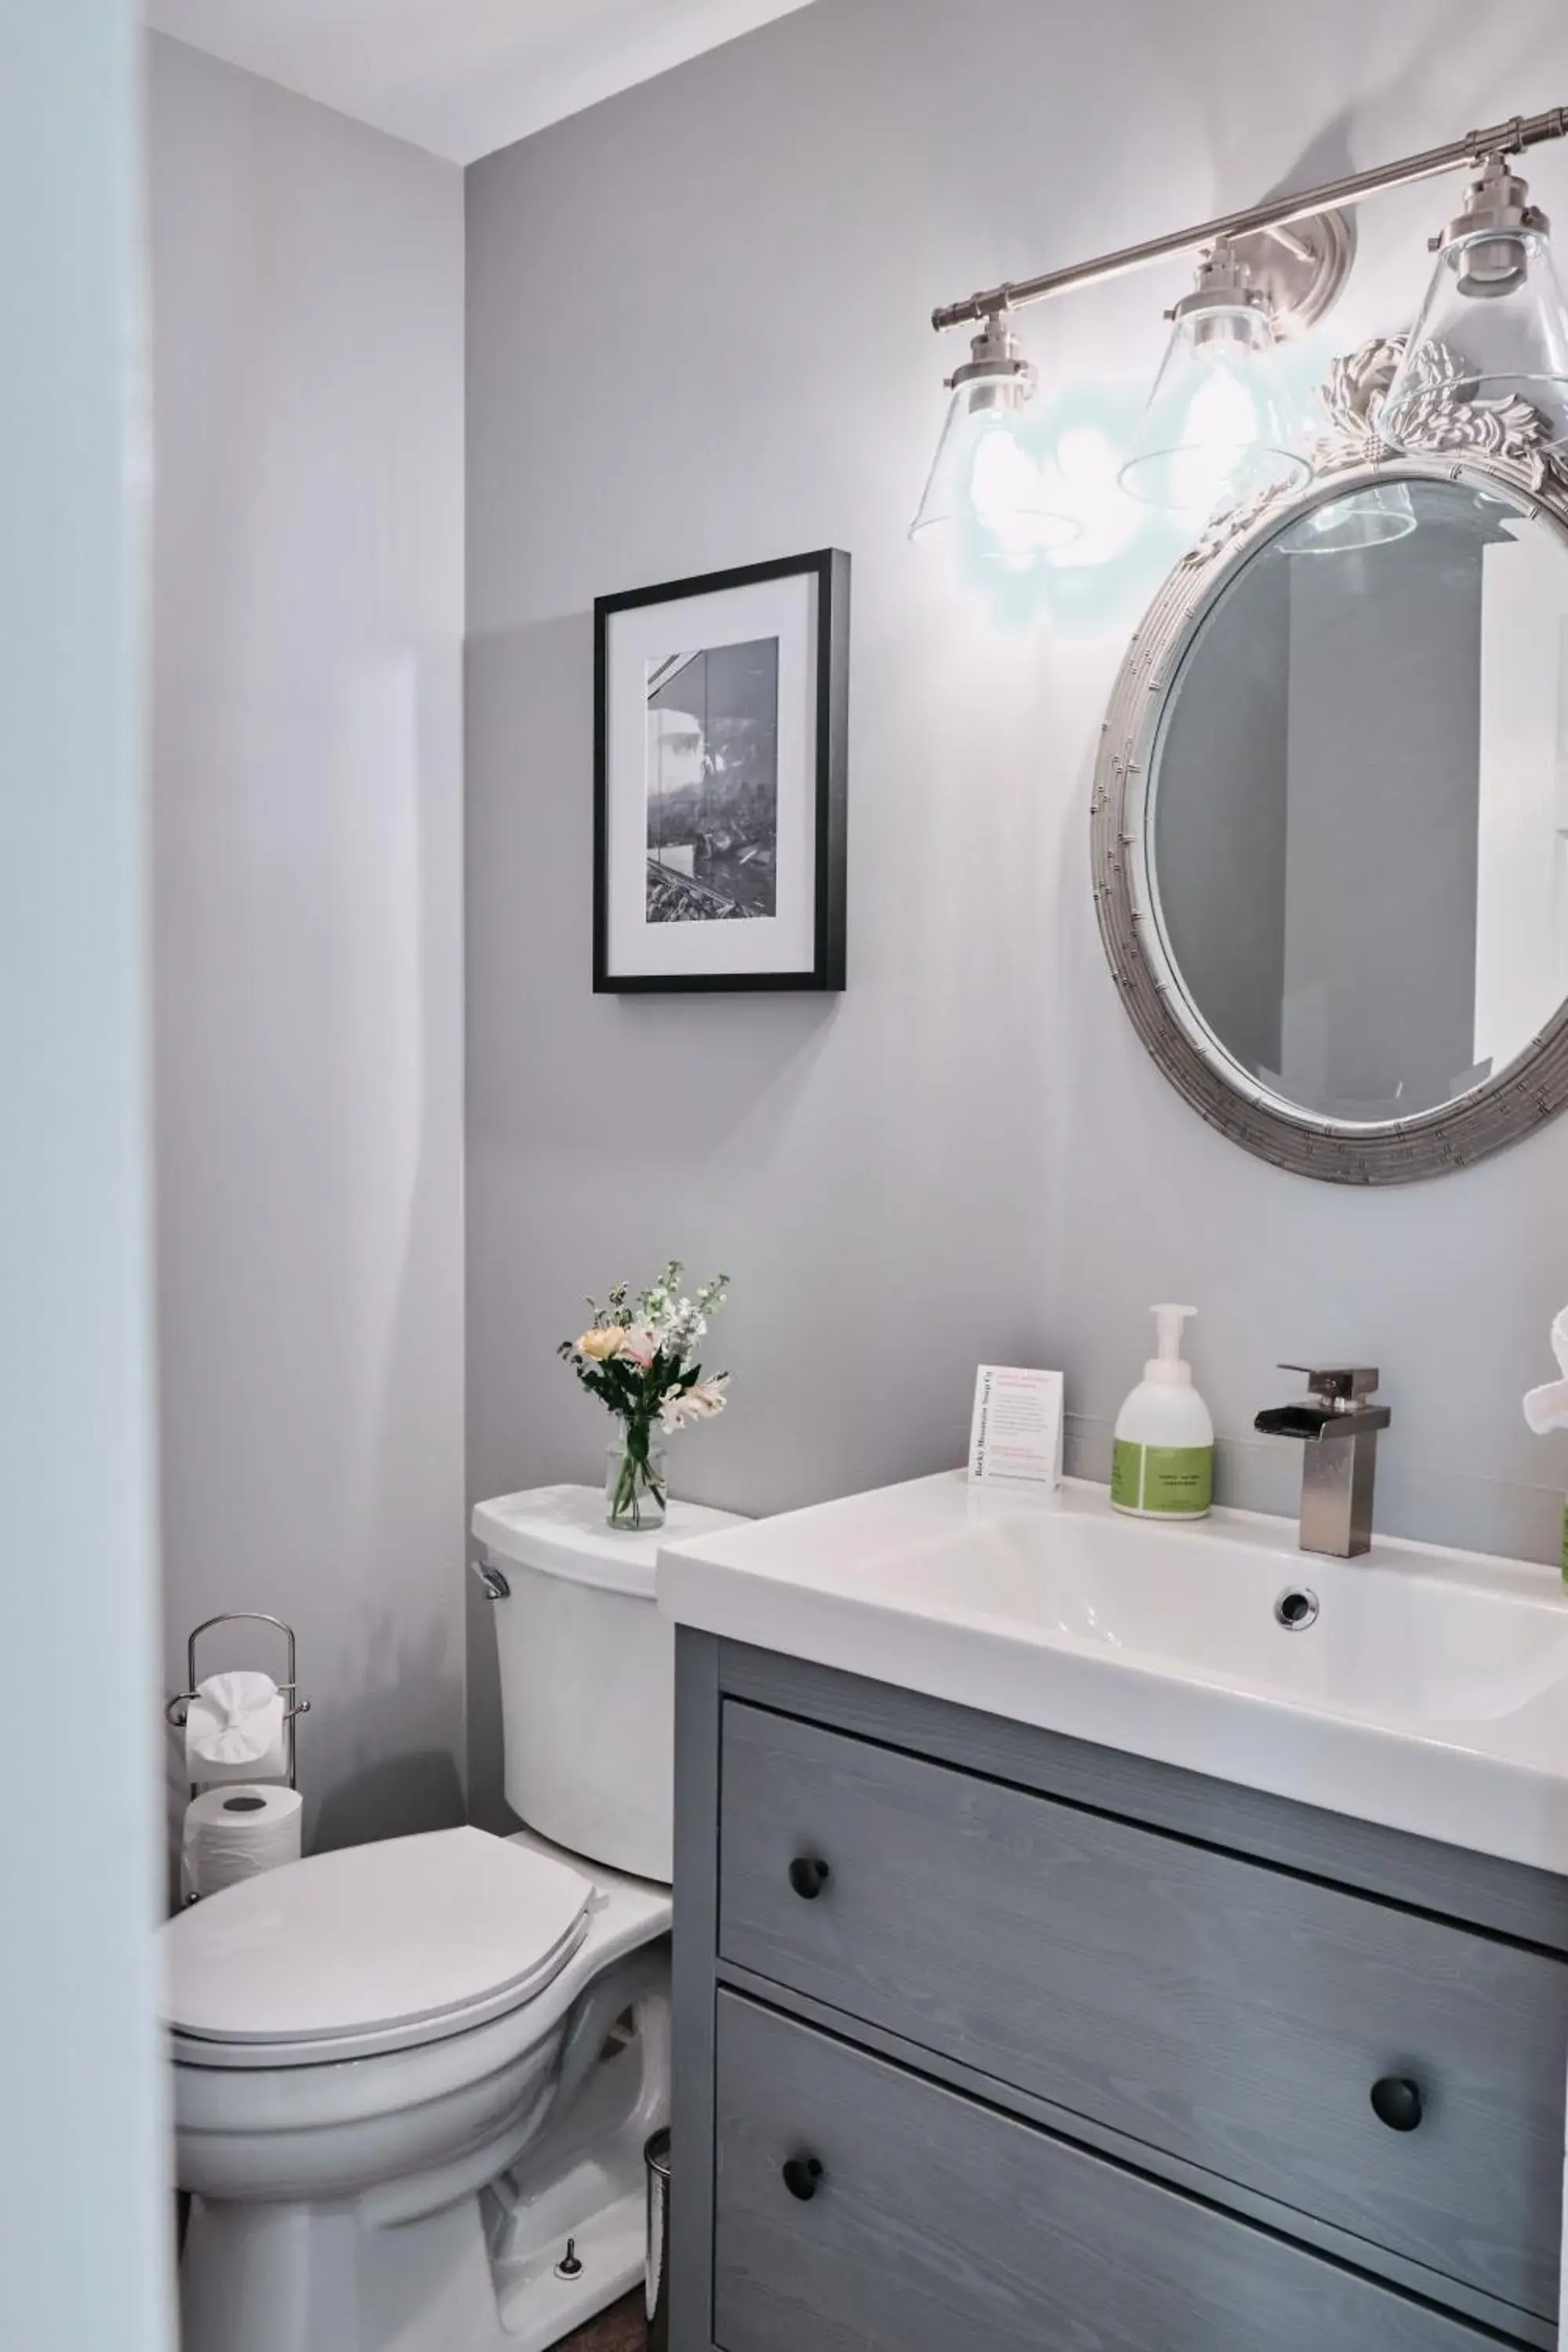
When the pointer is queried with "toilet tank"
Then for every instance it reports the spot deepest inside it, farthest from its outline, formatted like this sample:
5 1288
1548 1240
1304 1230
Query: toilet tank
587 1671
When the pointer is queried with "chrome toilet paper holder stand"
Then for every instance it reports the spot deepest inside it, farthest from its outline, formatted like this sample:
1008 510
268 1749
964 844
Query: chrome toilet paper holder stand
180 1704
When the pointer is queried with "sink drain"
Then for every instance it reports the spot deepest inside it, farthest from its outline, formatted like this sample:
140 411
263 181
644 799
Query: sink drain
1295 1609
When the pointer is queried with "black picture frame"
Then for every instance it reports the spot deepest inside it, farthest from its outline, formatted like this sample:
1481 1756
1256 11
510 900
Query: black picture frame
825 973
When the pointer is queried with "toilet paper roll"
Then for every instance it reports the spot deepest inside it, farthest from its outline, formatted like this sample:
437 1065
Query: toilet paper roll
236 1833
236 1729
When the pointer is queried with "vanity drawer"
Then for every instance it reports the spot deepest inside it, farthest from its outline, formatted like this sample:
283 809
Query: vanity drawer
1230 2014
935 2223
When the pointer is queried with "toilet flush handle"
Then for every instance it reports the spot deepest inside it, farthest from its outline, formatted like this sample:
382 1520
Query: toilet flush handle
495 1584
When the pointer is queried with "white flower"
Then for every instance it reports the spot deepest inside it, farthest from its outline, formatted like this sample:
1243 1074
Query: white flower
678 1406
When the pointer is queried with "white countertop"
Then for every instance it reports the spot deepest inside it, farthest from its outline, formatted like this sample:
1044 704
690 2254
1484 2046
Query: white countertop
1430 1693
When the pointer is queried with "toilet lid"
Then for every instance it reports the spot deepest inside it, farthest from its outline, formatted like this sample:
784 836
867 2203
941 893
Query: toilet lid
378 1942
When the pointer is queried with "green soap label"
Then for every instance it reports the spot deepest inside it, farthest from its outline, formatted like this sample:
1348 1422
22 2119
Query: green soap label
1127 1477
1174 1478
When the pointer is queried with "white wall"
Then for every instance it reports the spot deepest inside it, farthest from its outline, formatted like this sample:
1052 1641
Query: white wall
697 337
306 290
1521 912
84 2203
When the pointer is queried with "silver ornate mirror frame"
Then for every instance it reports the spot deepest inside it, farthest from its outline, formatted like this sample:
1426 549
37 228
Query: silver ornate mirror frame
1493 446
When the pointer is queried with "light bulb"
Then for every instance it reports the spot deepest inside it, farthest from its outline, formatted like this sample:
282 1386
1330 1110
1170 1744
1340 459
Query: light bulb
1005 491
1222 423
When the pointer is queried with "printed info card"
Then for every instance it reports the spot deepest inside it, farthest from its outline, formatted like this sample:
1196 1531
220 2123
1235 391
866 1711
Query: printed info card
1018 1427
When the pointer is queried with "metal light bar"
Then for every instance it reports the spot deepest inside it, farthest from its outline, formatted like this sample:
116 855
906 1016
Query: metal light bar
1278 211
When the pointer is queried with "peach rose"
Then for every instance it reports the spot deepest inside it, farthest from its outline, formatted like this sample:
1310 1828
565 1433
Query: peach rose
600 1345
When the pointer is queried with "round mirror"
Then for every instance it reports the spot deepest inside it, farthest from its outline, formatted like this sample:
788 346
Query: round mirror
1331 835
1358 803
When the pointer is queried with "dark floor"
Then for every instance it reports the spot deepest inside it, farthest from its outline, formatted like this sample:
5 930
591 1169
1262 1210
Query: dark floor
622 2329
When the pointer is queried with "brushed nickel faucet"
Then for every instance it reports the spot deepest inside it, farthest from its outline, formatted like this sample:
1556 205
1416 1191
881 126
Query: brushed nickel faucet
1339 1462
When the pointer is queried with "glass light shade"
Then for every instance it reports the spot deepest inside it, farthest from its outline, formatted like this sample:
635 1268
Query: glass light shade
1365 519
1495 311
1219 426
988 488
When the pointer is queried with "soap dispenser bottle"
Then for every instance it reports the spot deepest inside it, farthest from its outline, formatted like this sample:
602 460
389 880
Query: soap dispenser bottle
1163 1459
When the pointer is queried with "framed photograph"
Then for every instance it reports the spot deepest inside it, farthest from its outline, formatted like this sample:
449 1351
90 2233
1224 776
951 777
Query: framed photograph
720 751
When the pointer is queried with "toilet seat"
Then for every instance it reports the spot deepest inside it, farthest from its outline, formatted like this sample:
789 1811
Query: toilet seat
371 1948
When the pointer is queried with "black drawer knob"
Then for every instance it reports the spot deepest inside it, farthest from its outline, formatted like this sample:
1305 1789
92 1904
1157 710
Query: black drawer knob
808 1874
802 2176
1396 2102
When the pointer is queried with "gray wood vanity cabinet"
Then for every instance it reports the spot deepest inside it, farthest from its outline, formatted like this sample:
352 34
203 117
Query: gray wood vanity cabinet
988 2037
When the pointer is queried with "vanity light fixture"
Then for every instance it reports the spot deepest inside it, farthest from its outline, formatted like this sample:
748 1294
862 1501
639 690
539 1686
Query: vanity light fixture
1494 310
986 482
1217 423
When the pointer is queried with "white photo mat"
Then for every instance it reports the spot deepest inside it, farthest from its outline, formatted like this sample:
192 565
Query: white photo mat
640 638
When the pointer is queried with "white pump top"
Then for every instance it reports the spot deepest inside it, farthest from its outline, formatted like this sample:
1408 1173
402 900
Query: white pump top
1169 1365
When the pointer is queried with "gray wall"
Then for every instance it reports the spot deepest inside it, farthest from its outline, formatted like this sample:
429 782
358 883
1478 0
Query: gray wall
1316 790
307 314
1383 780
698 336
84 2162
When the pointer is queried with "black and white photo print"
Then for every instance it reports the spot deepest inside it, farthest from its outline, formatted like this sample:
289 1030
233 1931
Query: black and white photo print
719 780
713 777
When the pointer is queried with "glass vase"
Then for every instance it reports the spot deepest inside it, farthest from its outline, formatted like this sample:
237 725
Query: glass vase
634 1482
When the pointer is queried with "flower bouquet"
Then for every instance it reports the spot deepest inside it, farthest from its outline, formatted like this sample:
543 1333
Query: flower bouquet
637 1356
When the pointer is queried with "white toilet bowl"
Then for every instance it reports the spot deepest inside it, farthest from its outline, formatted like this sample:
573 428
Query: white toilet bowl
409 2076
363 2042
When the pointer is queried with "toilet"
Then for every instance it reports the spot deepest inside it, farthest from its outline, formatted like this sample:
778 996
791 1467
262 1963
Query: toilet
413 2081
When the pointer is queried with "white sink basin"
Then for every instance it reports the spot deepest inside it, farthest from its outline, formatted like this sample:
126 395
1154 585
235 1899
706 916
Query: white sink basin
1430 1691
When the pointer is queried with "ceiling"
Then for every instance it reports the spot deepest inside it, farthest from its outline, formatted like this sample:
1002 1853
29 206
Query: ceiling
459 77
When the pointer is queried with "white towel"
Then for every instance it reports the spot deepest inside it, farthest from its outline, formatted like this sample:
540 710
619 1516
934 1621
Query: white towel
234 1730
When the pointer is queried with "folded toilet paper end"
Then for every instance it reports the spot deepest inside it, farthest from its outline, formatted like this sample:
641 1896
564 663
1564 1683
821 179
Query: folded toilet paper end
236 1729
